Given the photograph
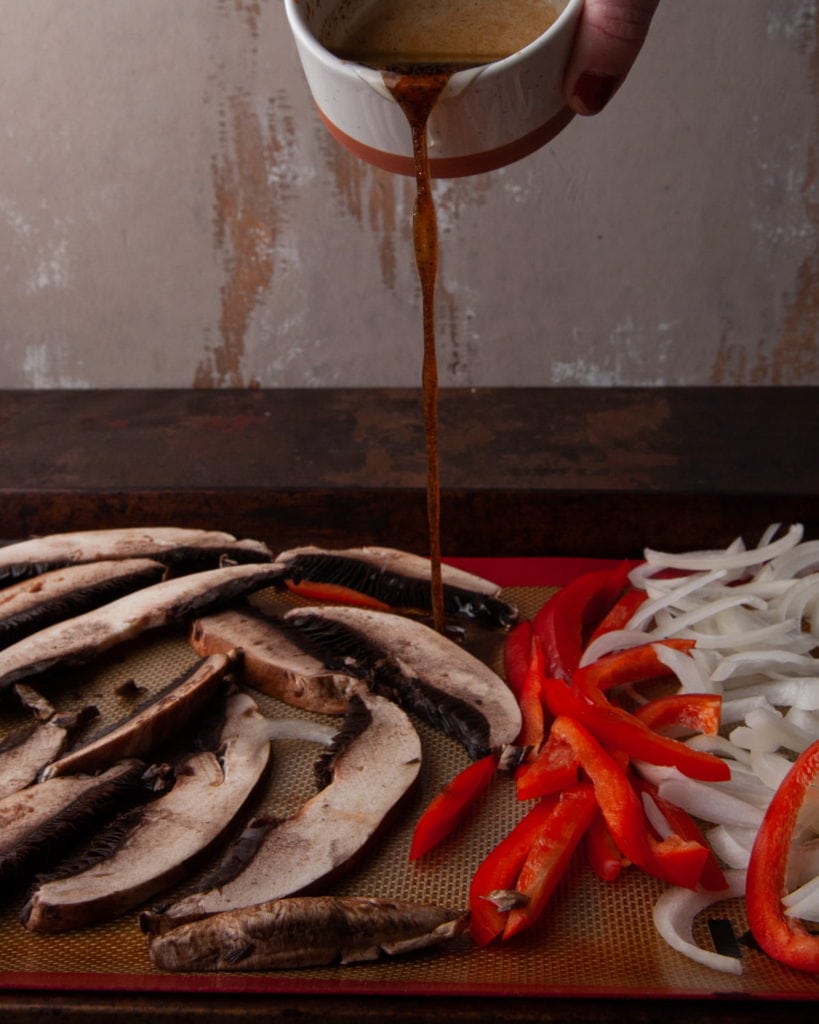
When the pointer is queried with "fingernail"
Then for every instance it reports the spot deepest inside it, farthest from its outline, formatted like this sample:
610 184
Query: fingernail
594 91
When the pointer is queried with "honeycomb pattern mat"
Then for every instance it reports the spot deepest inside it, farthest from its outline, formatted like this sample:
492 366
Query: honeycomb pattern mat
596 938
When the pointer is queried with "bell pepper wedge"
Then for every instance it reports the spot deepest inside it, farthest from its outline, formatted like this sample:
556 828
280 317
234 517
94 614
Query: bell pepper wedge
674 859
530 701
683 824
517 653
620 730
550 854
621 613
603 854
450 806
571 612
699 712
555 768
782 937
633 665
499 871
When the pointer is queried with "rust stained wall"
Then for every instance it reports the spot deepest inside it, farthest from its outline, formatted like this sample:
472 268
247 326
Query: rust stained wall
174 214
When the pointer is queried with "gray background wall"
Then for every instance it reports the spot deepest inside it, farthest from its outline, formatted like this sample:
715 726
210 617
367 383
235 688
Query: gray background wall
173 214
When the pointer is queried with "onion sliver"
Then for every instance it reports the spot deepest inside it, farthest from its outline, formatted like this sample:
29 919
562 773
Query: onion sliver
674 914
699 560
711 803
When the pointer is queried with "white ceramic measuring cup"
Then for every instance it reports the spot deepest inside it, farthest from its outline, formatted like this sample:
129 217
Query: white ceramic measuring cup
486 117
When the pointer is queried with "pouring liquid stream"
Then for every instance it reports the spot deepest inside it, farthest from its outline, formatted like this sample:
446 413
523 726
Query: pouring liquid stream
416 94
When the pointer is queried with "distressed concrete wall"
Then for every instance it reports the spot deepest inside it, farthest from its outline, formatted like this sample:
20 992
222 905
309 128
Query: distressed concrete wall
173 214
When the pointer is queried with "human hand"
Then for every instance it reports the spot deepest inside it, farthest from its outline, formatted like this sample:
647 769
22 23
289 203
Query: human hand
609 37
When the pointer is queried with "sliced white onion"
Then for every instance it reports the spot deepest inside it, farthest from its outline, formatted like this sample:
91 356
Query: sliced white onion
732 845
687 670
710 803
792 693
804 901
735 709
706 560
767 659
613 640
790 736
719 745
674 914
688 585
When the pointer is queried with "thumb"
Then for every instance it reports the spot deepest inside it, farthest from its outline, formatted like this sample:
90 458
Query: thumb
609 37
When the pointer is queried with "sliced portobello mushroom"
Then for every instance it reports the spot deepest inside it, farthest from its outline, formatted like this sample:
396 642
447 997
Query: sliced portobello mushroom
305 931
424 671
375 763
272 661
162 717
32 604
157 844
386 578
39 823
183 549
82 638
24 753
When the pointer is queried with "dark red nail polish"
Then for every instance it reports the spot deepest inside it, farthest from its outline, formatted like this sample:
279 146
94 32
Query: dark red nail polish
594 91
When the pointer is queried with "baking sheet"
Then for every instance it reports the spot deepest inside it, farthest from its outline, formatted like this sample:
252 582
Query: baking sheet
597 939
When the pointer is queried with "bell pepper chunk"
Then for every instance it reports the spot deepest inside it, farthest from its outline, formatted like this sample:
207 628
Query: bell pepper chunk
550 854
334 593
620 730
674 859
554 769
499 871
517 653
783 938
683 824
566 617
451 805
699 712
634 665
530 701
603 854
621 613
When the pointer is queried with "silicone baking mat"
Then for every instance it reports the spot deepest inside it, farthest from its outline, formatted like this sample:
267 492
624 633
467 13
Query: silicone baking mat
596 939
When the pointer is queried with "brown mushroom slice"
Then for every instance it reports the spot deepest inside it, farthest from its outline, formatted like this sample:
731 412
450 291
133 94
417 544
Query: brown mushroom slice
157 844
24 753
174 546
32 604
82 638
377 764
168 711
385 578
305 931
424 671
37 822
271 661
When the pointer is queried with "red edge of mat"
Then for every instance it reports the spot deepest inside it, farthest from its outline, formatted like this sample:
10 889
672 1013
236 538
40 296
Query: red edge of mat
298 984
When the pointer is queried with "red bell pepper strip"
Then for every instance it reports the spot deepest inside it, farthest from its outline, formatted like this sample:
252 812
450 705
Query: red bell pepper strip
603 854
554 769
448 809
699 712
517 653
550 854
531 703
620 730
673 859
499 871
621 613
784 938
684 826
566 617
334 593
634 665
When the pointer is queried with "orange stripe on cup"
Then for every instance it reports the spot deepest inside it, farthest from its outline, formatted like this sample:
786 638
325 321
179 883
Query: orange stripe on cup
455 166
